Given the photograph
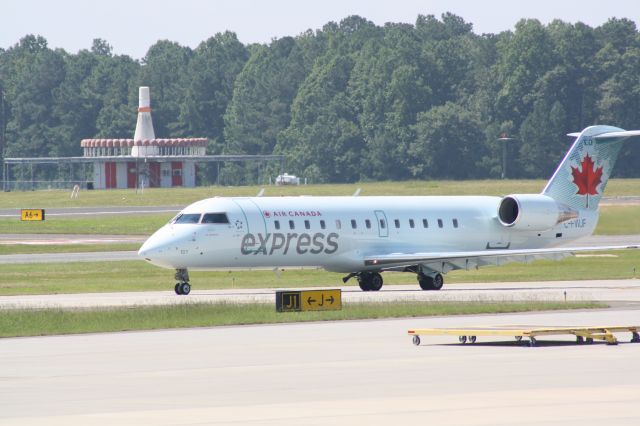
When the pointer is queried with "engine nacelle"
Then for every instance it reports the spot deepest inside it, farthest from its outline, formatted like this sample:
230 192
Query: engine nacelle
532 212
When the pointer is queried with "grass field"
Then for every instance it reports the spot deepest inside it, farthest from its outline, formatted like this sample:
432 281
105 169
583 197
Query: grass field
57 321
89 277
185 196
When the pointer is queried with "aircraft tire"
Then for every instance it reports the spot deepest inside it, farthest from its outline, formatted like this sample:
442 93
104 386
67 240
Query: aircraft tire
425 281
177 289
185 288
437 282
364 281
375 281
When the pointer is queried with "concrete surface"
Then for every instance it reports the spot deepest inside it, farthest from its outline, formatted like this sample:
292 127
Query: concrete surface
338 373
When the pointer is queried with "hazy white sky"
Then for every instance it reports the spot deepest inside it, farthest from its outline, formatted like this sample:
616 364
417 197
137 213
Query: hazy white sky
132 26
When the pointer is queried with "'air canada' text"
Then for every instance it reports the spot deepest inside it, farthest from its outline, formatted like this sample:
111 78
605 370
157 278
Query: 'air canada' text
278 243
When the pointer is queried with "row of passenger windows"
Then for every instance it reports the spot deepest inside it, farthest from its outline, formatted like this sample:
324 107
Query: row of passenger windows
221 218
367 224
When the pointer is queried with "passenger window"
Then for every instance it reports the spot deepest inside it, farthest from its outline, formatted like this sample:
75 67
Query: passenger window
188 218
367 223
382 224
322 224
307 225
276 223
411 223
354 225
439 223
215 218
425 224
397 223
292 225
338 224
455 223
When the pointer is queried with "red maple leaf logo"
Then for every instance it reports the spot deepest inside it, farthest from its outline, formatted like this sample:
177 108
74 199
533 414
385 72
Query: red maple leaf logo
589 178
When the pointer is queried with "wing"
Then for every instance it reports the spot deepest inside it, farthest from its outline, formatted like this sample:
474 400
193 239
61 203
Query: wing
448 261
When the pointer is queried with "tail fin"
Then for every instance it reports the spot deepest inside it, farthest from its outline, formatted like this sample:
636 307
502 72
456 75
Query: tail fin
580 179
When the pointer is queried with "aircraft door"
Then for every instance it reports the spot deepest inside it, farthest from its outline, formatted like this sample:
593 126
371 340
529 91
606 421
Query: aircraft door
383 225
252 220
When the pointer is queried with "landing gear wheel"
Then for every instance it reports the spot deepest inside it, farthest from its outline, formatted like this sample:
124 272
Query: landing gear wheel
438 282
177 288
532 342
375 281
518 339
589 341
370 281
472 339
185 288
579 340
363 282
635 337
428 282
425 282
462 339
416 340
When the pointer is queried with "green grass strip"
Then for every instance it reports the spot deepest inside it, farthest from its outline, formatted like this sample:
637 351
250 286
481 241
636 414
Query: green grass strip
66 248
44 322
184 196
97 277
614 220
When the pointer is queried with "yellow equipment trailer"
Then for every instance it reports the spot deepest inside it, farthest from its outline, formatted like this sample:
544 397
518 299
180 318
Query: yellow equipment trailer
583 334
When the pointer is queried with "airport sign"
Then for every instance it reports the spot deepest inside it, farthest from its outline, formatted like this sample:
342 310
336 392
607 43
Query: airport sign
309 300
32 214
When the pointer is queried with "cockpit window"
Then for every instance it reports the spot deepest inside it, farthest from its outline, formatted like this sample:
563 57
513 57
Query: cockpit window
188 218
215 218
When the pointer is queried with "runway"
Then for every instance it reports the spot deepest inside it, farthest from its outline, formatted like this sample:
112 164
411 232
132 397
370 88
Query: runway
338 373
623 292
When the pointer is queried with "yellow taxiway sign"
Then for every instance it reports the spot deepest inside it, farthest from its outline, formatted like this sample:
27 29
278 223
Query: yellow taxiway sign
32 214
309 300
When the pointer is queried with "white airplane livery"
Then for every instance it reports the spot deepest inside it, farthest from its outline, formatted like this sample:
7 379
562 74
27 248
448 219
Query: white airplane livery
365 236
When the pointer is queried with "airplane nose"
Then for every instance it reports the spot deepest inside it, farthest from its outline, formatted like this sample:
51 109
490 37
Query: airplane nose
156 250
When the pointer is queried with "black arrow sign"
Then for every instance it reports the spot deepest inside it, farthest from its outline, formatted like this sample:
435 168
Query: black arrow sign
310 300
331 299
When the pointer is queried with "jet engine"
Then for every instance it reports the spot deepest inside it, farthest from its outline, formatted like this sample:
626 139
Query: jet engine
532 212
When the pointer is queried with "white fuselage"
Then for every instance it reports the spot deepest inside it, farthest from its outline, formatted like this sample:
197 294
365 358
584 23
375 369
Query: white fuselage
336 233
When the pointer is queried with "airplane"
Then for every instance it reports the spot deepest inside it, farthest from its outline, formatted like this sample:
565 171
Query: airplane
363 236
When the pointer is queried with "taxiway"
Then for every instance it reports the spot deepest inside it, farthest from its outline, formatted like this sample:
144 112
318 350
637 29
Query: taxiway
339 373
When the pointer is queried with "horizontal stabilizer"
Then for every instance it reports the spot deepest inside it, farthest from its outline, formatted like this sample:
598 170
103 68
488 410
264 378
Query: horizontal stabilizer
608 135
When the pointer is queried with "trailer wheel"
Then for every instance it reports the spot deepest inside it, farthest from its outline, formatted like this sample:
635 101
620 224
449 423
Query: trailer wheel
416 340
462 339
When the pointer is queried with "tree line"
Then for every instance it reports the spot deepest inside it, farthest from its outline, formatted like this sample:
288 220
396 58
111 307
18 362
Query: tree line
351 101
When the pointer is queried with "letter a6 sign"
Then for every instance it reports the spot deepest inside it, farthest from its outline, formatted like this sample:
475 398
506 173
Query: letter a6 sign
32 214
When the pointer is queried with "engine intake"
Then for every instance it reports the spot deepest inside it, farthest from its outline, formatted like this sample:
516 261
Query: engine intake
532 212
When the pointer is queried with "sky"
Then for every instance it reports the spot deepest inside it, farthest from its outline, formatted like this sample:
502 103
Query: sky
132 26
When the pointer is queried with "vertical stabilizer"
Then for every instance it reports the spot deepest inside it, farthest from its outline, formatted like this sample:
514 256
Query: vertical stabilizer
582 175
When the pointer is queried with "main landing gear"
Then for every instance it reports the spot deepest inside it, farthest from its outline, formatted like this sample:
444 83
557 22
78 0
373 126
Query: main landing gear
182 286
430 282
368 281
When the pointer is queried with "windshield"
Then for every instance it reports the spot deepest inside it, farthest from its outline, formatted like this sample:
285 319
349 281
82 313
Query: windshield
187 218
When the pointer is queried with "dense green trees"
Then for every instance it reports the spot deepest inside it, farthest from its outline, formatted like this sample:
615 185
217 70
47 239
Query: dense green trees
351 101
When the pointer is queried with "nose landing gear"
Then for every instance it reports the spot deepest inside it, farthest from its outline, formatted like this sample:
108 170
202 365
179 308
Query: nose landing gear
182 286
